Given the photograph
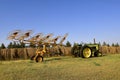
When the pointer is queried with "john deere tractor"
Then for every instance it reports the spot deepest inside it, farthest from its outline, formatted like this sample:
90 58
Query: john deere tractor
86 50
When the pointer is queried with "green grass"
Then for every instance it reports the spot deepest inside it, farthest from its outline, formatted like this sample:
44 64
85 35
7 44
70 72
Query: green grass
62 68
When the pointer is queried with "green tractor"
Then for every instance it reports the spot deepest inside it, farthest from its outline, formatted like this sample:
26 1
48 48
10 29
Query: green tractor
86 50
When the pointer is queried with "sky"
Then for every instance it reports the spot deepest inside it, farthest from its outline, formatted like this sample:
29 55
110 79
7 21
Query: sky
83 20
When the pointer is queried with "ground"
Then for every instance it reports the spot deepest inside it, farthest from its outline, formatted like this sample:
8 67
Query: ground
63 68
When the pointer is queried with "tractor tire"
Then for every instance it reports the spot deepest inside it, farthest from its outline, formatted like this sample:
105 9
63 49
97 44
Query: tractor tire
97 54
39 59
86 52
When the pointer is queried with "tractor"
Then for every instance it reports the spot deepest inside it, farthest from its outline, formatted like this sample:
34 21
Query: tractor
86 50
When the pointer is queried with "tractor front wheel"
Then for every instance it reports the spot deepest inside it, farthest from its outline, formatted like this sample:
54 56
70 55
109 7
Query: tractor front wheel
97 54
86 52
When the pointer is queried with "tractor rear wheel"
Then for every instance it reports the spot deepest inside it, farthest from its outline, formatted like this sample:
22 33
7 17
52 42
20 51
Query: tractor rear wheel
39 59
86 52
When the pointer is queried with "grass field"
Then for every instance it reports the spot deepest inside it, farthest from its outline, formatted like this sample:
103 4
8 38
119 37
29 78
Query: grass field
63 68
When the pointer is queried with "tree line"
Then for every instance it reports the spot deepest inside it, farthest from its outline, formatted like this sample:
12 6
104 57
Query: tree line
68 44
23 45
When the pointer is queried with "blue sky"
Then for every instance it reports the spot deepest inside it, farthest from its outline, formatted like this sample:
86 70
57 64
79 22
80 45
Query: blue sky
82 19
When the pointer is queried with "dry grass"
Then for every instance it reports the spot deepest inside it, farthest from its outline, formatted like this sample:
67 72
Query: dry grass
62 68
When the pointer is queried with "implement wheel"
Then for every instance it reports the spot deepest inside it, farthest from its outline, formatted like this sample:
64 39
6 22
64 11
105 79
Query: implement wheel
39 59
32 58
86 52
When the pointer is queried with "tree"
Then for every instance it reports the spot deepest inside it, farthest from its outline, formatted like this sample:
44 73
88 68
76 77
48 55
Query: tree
104 44
10 45
113 44
32 45
75 50
99 44
2 46
22 45
14 45
108 45
68 44
18 45
116 45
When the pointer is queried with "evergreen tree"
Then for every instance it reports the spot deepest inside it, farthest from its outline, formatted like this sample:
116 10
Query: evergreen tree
2 46
10 45
99 44
104 44
108 45
32 45
68 44
14 45
116 45
18 45
113 44
75 49
75 44
22 45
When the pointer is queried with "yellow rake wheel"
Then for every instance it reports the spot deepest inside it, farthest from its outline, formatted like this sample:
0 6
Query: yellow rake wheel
86 53
39 59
